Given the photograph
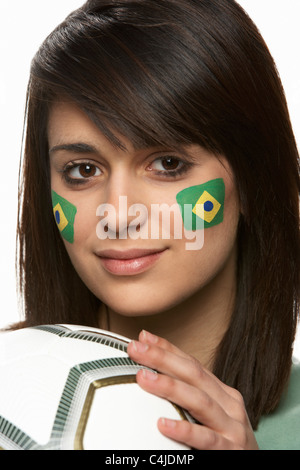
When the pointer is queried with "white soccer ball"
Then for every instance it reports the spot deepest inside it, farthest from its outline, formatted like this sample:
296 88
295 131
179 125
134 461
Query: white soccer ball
73 387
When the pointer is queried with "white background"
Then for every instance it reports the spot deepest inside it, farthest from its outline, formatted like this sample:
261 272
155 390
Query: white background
23 27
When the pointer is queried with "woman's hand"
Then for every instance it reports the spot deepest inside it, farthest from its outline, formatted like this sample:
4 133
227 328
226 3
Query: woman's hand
182 380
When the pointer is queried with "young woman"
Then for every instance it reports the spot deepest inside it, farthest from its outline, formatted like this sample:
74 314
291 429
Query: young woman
169 103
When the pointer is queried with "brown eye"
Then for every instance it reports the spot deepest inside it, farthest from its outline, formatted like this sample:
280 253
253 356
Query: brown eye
82 171
86 170
167 165
170 163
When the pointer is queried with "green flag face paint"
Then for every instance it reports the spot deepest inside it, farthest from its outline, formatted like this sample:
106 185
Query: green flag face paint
64 214
206 201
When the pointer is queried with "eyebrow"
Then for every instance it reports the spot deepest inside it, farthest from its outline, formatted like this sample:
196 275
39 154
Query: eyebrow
75 148
80 147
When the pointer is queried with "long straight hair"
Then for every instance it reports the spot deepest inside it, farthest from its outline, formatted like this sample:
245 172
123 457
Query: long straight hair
188 71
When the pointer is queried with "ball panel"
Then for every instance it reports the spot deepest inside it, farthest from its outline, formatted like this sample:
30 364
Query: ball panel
124 417
53 394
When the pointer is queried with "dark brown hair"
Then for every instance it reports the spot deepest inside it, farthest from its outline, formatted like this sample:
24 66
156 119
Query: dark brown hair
188 71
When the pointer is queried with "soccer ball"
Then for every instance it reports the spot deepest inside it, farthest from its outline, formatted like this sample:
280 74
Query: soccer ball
69 387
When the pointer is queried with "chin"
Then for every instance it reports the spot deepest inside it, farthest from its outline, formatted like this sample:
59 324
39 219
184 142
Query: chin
134 309
142 306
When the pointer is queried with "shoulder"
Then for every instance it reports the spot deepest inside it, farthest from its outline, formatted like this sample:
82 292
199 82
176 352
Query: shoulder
281 429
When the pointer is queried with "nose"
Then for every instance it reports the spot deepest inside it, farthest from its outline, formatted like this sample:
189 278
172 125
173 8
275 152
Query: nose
123 214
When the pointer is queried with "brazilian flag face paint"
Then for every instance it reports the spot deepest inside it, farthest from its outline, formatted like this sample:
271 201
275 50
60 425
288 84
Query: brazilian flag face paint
64 213
206 201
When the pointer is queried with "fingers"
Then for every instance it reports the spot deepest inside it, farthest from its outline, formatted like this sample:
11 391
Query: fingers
195 436
197 402
217 430
148 338
159 354
182 380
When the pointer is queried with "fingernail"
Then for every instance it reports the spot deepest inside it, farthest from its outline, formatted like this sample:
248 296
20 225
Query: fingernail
149 375
140 347
169 423
149 337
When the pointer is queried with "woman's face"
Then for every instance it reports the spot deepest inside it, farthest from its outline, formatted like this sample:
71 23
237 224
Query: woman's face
131 269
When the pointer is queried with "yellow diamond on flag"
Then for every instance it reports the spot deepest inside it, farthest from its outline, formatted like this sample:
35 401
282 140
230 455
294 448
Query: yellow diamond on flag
60 217
206 207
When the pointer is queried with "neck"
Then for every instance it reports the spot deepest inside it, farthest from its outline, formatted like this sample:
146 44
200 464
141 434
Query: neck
196 326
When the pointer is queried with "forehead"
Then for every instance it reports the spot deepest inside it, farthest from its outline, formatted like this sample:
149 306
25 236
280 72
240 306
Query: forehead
70 129
66 119
68 124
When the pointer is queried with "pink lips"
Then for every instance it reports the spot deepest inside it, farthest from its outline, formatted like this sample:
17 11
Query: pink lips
130 262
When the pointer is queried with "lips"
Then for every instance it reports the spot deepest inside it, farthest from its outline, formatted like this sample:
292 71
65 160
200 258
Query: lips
130 262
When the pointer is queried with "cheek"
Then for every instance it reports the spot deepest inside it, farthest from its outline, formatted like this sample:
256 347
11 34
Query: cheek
84 235
196 269
219 242
85 224
202 203
220 239
80 251
85 220
64 213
